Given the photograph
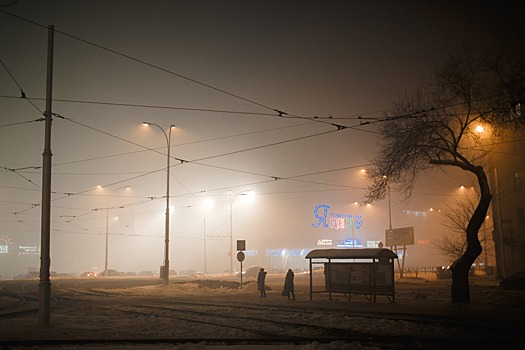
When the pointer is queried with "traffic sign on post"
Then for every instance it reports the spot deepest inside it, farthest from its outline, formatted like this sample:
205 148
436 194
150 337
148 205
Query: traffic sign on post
241 245
240 257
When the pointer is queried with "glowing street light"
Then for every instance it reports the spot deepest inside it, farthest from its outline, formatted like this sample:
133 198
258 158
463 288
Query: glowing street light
165 274
231 224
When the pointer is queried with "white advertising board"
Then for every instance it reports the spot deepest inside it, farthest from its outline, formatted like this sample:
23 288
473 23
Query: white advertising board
399 236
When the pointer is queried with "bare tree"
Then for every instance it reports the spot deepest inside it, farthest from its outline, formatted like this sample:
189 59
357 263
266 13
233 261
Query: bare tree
436 128
455 219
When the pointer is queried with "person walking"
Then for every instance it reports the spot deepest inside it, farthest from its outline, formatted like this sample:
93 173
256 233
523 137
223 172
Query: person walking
261 277
289 288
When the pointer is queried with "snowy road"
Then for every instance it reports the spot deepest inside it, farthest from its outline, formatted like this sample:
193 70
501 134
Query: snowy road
124 311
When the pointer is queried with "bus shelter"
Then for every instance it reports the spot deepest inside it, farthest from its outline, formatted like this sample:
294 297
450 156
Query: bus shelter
365 271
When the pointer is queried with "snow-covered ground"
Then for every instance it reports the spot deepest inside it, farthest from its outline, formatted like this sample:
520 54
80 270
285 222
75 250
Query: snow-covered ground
213 313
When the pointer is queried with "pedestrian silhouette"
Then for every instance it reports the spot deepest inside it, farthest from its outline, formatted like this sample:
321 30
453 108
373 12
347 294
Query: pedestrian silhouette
289 289
260 282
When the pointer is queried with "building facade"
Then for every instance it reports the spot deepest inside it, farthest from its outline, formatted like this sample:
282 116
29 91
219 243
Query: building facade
507 181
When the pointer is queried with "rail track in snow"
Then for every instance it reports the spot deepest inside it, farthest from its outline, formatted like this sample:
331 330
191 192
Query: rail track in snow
250 320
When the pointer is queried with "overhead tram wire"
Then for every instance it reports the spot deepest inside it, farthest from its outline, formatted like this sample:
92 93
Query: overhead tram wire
143 62
279 112
204 158
135 105
22 93
272 178
195 162
25 122
180 144
313 119
17 172
219 138
191 161
210 157
181 160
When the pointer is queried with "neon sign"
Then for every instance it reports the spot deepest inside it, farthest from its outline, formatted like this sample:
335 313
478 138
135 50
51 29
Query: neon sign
23 250
335 221
350 243
5 241
324 242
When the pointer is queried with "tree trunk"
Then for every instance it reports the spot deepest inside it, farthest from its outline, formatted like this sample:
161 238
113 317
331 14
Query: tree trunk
460 284
461 267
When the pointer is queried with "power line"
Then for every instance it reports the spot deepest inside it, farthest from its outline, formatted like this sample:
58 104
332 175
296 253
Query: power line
22 93
102 103
280 113
20 123
143 62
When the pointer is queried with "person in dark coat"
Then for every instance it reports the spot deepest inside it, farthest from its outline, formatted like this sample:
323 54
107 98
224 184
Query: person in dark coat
260 282
289 288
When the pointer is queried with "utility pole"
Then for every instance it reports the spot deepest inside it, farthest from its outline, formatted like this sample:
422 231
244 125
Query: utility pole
44 286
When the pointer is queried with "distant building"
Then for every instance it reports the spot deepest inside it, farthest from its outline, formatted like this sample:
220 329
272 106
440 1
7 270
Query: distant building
507 182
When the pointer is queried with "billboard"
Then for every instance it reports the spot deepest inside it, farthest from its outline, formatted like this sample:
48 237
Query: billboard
399 236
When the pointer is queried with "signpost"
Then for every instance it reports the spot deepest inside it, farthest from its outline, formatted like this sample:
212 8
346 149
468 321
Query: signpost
241 246
400 237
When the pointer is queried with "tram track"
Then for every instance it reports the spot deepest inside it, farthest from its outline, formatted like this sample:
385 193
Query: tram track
97 314
446 321
298 324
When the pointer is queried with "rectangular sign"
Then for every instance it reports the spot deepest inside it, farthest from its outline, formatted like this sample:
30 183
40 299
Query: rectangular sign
241 245
399 236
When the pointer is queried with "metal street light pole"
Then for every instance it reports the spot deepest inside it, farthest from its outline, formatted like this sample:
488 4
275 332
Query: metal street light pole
385 178
44 284
107 231
107 235
167 224
106 263
231 225
389 208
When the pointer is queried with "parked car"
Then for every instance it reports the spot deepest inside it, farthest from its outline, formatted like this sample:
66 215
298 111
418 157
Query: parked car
88 274
65 274
251 271
111 272
33 274
443 272
146 273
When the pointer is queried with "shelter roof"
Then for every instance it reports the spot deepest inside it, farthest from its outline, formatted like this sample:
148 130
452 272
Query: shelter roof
352 253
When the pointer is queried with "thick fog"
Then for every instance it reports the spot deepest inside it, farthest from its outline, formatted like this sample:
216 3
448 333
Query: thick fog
273 114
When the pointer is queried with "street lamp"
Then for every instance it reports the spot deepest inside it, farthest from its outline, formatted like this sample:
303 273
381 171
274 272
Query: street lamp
107 226
165 272
231 224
